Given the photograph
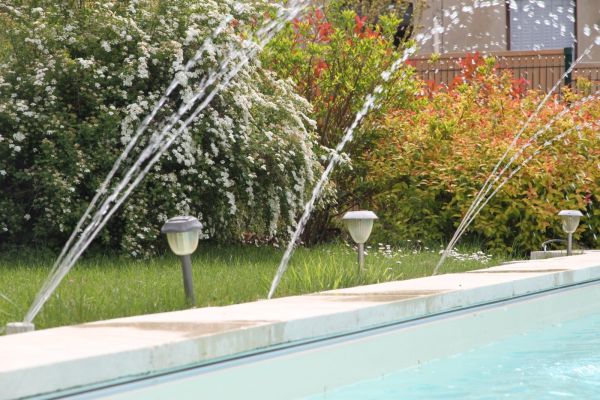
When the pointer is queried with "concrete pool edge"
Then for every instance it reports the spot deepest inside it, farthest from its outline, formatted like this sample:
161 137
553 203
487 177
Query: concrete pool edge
332 363
105 351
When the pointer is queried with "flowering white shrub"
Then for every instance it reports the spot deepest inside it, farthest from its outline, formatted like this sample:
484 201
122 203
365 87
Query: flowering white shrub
475 256
75 84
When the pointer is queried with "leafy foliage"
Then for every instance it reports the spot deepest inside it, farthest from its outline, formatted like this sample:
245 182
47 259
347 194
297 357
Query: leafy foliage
435 155
77 82
336 59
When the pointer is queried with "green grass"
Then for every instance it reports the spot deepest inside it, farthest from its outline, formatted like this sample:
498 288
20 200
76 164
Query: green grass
103 287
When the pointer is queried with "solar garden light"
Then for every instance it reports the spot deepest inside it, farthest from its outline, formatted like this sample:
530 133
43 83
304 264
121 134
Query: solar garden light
360 224
182 235
570 221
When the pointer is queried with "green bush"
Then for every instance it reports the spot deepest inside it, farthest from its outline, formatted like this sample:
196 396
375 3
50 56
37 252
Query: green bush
336 59
75 82
435 156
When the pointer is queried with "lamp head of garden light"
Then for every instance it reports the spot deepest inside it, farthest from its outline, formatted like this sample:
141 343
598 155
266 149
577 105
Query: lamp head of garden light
182 234
360 224
570 220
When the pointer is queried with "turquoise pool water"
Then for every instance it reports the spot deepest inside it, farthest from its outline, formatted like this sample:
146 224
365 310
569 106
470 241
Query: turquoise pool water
561 361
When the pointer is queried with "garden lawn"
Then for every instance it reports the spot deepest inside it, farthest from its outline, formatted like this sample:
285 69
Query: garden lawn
103 287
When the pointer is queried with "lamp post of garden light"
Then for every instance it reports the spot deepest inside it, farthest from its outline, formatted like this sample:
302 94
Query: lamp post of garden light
570 221
183 235
360 224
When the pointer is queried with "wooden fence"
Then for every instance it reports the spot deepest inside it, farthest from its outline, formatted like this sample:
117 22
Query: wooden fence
541 69
591 72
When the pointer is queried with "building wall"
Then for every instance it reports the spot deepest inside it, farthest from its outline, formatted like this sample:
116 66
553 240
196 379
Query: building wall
484 29
588 12
465 28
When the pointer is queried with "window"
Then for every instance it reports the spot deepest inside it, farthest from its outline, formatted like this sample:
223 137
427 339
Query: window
538 25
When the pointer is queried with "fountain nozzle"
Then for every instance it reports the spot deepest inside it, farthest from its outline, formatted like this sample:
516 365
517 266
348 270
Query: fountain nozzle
19 327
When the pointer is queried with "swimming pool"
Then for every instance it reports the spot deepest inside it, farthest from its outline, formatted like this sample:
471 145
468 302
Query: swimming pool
455 352
561 361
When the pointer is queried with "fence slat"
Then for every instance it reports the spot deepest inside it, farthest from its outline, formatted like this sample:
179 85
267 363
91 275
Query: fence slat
542 69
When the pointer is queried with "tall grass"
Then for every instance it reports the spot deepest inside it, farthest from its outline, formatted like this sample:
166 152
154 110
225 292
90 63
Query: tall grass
103 287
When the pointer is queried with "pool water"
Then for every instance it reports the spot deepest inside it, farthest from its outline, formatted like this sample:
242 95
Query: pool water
561 361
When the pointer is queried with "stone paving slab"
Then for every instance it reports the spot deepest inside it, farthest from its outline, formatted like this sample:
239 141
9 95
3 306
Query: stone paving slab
104 351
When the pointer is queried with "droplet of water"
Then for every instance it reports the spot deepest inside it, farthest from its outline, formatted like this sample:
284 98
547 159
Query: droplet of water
587 31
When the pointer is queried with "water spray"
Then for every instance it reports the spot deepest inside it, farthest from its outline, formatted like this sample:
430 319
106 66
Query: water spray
370 103
488 184
159 143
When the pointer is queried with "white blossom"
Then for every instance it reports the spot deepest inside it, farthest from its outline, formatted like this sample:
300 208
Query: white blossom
251 147
106 46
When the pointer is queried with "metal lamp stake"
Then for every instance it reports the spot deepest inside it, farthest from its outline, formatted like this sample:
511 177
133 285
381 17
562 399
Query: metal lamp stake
361 257
188 283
